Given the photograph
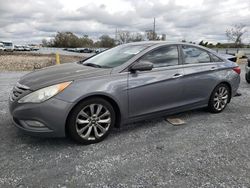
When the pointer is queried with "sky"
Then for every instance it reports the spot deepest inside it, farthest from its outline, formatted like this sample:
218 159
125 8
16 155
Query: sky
30 21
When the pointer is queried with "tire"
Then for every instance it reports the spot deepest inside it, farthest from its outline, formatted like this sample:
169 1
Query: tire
91 121
247 76
219 98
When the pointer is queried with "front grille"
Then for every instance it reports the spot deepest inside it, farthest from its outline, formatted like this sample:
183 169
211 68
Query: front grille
18 91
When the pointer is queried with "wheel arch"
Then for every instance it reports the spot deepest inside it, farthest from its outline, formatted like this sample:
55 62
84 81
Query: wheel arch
103 96
229 86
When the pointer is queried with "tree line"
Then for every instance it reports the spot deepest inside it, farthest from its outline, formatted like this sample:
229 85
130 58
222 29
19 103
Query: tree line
71 40
234 35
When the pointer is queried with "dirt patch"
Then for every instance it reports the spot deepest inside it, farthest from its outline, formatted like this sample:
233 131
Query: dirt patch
31 61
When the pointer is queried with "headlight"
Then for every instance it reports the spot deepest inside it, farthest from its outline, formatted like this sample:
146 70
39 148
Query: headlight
44 93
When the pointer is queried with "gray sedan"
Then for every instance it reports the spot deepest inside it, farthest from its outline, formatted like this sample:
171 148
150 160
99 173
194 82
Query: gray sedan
128 83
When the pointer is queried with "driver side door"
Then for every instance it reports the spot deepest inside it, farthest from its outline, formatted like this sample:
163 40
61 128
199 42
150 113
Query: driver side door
159 89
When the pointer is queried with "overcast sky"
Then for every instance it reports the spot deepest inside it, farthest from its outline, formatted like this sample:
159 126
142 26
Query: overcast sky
26 21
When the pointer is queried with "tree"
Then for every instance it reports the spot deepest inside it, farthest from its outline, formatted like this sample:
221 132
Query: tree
218 45
44 43
85 41
68 40
135 37
210 45
123 37
236 33
106 41
201 43
151 35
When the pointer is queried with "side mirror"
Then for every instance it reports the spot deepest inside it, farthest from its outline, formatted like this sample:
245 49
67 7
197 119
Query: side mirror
142 66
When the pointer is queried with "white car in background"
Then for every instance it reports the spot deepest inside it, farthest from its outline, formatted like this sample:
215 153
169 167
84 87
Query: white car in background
18 48
1 47
26 48
8 46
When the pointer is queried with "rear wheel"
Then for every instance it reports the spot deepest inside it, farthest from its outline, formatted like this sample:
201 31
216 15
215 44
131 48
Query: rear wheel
219 98
247 76
91 121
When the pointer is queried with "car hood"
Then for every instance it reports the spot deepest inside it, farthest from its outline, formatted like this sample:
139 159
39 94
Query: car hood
60 73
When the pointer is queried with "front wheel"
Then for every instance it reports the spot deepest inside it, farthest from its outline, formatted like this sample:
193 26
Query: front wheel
91 121
219 98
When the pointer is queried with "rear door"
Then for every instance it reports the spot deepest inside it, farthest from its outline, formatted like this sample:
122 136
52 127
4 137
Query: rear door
159 89
199 74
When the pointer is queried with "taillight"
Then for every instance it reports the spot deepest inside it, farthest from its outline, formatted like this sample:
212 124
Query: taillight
237 69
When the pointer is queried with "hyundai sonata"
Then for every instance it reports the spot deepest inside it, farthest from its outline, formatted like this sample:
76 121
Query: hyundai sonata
127 83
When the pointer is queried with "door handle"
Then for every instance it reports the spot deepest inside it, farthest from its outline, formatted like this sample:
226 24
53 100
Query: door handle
213 68
177 75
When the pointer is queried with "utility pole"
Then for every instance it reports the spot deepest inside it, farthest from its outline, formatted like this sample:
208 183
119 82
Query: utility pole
116 37
154 30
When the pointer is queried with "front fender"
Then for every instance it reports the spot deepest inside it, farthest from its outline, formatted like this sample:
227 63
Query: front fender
111 86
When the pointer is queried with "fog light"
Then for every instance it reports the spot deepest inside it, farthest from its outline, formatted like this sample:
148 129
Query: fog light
35 124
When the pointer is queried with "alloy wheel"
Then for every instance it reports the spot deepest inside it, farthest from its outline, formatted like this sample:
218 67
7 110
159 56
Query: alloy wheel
93 121
220 98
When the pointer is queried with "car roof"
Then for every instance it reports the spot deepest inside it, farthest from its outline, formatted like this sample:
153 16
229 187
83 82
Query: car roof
152 43
162 43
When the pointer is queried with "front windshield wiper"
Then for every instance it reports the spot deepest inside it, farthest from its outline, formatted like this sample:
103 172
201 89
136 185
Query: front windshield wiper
92 65
95 65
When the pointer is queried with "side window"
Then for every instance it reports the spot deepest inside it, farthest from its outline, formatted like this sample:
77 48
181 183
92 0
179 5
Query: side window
195 55
215 58
162 57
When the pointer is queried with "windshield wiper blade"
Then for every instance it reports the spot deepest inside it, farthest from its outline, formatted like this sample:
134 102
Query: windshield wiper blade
92 65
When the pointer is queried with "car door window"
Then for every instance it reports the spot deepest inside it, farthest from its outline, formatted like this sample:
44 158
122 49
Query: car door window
162 57
194 55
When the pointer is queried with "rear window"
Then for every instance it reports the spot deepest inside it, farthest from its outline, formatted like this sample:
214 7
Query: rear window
215 58
193 55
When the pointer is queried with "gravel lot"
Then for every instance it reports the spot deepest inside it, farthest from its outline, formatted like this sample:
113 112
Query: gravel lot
210 150
15 61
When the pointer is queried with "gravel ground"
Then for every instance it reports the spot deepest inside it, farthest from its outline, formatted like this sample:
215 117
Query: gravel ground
15 61
210 150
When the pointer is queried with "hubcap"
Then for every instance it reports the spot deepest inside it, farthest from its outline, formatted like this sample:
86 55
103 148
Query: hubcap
220 98
93 121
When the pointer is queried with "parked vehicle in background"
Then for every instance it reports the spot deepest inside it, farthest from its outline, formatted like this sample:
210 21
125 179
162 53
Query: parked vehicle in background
80 50
229 57
8 46
99 50
18 48
26 48
34 47
84 50
70 49
1 47
130 82
247 67
247 76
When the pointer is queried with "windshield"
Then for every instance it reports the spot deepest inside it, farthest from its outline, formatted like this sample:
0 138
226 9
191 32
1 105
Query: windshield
7 43
115 56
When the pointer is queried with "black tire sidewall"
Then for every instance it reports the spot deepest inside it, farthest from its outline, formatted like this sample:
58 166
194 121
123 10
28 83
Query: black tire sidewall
247 77
71 126
211 100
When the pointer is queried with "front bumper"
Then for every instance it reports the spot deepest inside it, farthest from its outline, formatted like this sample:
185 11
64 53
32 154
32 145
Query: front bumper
51 114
